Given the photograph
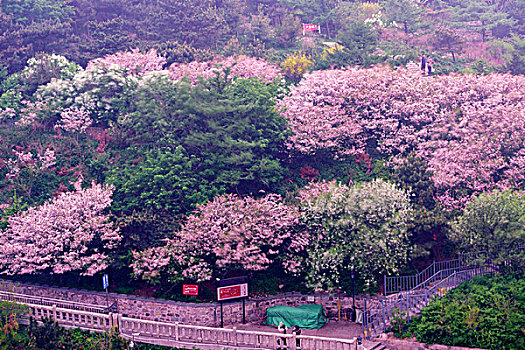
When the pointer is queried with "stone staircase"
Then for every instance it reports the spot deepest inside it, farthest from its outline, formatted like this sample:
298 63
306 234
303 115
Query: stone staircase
371 345
379 313
413 67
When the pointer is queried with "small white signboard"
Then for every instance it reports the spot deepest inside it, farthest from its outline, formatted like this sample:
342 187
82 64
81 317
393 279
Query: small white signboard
105 281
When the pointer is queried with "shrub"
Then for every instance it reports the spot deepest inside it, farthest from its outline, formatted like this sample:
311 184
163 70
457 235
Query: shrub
488 313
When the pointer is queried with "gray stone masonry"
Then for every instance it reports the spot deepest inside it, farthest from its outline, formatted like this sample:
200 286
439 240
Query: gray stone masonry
204 314
393 343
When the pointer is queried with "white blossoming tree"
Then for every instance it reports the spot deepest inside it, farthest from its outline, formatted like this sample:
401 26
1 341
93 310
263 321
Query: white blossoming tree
364 227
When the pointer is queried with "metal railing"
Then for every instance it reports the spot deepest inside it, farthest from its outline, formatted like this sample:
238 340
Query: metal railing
378 315
396 284
63 304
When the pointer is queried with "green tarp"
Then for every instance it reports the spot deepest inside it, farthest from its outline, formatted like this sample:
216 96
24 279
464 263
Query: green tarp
304 316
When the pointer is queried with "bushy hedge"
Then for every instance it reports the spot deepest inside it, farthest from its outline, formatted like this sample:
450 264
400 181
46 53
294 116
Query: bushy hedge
488 313
51 336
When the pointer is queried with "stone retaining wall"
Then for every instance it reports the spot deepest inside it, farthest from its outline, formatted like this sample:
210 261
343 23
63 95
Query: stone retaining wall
392 343
205 314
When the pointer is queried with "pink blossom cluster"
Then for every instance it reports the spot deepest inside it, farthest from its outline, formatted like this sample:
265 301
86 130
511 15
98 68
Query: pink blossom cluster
74 119
241 66
7 113
137 63
315 189
42 161
470 129
28 112
227 233
68 233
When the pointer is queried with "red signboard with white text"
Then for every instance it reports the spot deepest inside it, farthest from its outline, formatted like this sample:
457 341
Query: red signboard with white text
232 292
190 289
310 27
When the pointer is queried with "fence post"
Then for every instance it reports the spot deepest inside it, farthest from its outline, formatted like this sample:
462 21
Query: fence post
364 320
407 308
384 315
234 336
114 320
54 312
384 279
177 331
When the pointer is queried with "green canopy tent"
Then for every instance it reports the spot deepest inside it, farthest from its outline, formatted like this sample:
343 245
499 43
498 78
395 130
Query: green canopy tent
304 316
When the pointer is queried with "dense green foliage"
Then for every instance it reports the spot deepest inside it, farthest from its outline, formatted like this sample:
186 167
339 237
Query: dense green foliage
82 30
185 145
493 223
49 335
488 313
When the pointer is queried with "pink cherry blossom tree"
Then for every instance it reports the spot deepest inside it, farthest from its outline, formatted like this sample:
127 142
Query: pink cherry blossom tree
27 165
74 120
225 234
68 233
240 66
468 128
137 63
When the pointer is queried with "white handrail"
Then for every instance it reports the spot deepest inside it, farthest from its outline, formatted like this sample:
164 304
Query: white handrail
37 300
175 333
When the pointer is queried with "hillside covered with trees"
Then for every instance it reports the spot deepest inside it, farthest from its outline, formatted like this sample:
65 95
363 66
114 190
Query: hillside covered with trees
168 142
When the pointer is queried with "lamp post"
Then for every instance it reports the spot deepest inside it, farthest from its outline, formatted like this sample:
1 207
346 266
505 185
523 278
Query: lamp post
353 293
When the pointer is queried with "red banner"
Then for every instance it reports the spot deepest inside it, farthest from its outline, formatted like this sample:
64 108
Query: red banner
190 289
310 27
232 292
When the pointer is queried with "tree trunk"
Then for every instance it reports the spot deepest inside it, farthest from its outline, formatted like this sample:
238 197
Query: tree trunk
406 32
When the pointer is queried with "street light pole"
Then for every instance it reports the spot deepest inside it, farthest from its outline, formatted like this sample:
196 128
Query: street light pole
353 294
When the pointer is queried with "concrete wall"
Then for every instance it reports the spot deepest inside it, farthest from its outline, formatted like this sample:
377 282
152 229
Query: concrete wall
205 314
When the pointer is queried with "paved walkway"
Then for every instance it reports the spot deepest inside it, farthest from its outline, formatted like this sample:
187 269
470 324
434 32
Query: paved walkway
333 329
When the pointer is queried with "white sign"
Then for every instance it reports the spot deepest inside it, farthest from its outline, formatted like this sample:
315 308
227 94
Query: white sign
105 281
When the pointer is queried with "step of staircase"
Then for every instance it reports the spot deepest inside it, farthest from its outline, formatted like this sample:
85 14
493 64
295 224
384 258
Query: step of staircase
374 345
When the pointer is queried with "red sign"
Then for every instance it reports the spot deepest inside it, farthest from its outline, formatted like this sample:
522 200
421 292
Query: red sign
310 27
232 292
190 289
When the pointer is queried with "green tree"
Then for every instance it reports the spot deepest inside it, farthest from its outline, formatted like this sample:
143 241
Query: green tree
26 11
322 12
479 15
486 312
517 62
405 13
359 41
230 134
165 180
516 10
11 337
493 223
446 40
